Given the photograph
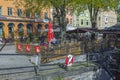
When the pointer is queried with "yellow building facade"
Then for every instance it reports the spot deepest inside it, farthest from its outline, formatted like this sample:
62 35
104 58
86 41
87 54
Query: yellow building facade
16 21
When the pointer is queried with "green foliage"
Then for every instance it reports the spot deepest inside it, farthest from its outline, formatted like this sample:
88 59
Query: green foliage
3 34
59 78
33 6
17 40
28 40
118 16
35 38
94 6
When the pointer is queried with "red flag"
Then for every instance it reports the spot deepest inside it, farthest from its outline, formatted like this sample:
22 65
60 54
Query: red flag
50 32
19 46
28 48
37 49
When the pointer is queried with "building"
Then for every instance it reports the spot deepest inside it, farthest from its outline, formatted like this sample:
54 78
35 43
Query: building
82 20
15 21
106 19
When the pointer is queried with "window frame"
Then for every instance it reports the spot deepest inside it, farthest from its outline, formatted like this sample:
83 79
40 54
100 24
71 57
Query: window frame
45 15
82 21
10 11
27 14
19 12
37 15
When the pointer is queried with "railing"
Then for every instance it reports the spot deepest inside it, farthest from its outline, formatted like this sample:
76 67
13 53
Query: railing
73 47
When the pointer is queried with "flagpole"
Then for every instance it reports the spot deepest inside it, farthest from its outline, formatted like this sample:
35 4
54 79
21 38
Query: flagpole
49 44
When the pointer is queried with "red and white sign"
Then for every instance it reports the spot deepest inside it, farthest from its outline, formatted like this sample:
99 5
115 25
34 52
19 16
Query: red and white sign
28 48
37 49
19 46
69 60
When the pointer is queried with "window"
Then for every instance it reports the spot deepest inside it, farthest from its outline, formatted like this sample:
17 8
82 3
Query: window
28 14
86 22
81 21
67 20
77 19
45 15
77 25
9 11
106 19
19 12
38 15
71 21
0 10
82 14
99 18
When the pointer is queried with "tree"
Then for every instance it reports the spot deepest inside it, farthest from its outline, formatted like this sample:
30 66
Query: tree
118 12
59 7
94 6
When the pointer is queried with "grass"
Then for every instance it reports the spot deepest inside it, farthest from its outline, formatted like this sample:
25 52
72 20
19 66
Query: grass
58 78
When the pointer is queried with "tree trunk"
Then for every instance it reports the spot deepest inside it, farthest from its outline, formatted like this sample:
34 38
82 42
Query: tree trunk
93 23
93 15
61 17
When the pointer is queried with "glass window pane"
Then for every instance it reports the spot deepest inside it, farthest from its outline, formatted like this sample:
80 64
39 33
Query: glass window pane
38 15
81 21
28 14
45 15
19 12
10 11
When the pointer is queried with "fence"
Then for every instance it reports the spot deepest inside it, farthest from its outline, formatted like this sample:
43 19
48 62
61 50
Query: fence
27 48
57 52
50 53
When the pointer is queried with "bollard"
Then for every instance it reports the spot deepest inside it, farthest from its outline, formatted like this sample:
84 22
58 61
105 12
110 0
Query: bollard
69 61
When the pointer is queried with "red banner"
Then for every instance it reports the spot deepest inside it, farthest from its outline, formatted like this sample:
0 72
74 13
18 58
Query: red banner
37 49
19 46
28 48
50 32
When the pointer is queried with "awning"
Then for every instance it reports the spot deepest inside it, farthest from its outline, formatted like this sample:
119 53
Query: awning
54 30
20 25
114 27
70 28
82 30
109 32
45 20
1 23
11 24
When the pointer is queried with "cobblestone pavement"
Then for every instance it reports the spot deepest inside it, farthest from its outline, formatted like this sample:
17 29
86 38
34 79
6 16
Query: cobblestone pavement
7 61
9 48
18 61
